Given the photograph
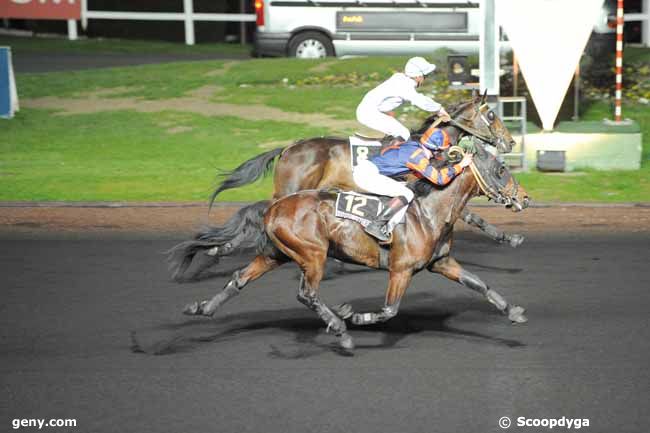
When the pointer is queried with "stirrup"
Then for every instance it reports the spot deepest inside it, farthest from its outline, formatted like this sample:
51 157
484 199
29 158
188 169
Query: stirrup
389 241
375 229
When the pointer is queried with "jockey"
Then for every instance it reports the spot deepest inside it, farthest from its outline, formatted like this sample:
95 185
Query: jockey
437 140
372 175
392 93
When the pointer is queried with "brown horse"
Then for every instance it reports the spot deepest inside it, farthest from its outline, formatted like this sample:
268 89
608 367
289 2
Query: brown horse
319 163
302 227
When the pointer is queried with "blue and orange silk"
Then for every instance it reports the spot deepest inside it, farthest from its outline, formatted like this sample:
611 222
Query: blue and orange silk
435 139
400 159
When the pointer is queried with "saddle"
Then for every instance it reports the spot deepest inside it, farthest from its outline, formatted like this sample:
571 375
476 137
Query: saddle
364 137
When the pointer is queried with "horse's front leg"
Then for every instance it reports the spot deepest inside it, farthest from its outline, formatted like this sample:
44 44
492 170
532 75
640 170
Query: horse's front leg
397 284
514 239
451 269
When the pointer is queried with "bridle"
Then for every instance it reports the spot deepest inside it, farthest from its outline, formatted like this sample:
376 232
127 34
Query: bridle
490 192
474 132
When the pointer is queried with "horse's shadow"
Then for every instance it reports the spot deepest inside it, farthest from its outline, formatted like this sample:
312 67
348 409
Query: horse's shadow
429 316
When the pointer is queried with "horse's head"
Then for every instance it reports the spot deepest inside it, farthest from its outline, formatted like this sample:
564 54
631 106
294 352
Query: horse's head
478 119
495 180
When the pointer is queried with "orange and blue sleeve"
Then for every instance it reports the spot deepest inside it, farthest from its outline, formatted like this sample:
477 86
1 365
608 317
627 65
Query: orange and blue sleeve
419 163
435 139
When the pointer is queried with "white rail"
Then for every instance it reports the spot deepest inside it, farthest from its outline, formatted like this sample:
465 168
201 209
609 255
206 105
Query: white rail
188 16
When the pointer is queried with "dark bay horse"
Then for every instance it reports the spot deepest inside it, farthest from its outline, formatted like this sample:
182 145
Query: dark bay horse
324 162
302 227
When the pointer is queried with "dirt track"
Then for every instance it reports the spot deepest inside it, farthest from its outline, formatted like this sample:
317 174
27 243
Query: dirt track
176 218
447 363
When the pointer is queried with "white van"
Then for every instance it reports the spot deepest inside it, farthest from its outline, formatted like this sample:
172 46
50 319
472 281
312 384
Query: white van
320 28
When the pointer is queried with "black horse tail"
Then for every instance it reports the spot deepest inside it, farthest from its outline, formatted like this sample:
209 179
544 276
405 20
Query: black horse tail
243 230
248 172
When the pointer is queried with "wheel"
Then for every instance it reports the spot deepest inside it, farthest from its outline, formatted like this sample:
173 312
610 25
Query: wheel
310 45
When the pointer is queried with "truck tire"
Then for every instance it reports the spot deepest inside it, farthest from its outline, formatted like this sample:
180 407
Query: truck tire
310 45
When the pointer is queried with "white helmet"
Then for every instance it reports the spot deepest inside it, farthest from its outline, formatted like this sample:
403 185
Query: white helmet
418 66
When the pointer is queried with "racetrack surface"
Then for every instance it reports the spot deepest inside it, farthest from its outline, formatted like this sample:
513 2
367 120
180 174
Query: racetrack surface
447 363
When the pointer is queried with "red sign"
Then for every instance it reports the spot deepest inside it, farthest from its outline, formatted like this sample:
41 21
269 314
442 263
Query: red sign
41 9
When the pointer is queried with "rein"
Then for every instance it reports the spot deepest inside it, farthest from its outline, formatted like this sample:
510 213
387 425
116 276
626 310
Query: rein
472 131
489 192
482 184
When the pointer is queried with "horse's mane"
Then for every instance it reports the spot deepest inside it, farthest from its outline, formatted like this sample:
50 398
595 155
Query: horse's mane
422 187
453 110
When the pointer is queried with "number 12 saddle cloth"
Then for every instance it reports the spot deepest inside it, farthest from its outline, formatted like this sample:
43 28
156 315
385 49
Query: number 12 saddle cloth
362 208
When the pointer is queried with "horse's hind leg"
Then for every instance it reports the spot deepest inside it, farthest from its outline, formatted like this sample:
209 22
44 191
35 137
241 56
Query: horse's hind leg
258 267
451 269
514 239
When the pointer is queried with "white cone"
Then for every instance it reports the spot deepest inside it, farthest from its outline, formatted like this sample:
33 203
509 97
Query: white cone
548 37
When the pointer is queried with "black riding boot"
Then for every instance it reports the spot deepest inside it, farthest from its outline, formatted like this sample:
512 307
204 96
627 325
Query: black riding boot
378 228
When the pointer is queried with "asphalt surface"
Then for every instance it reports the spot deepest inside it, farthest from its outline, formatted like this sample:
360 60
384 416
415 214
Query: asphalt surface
72 309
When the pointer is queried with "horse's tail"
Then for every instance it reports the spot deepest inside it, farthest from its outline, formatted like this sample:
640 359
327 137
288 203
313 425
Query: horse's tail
248 172
243 230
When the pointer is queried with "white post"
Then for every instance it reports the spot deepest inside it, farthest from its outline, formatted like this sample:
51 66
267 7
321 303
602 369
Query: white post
489 50
84 17
72 30
188 9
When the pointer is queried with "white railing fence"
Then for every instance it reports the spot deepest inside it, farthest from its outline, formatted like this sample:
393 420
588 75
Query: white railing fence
188 16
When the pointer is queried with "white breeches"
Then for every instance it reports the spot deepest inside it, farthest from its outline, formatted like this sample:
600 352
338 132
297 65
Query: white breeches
375 119
366 175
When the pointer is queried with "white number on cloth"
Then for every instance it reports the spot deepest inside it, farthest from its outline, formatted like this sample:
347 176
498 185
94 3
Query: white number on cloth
362 153
354 203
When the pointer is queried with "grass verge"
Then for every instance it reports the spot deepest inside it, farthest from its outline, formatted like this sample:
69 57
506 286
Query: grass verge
173 156
113 156
61 45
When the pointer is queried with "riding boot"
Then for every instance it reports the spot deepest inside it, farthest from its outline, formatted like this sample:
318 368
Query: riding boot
379 228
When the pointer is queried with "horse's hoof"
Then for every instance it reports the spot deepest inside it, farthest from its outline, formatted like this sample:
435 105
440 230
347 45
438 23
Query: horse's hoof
344 311
347 342
194 309
516 314
515 240
212 252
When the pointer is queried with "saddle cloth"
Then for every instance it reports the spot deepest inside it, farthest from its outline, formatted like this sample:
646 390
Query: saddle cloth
362 149
362 208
